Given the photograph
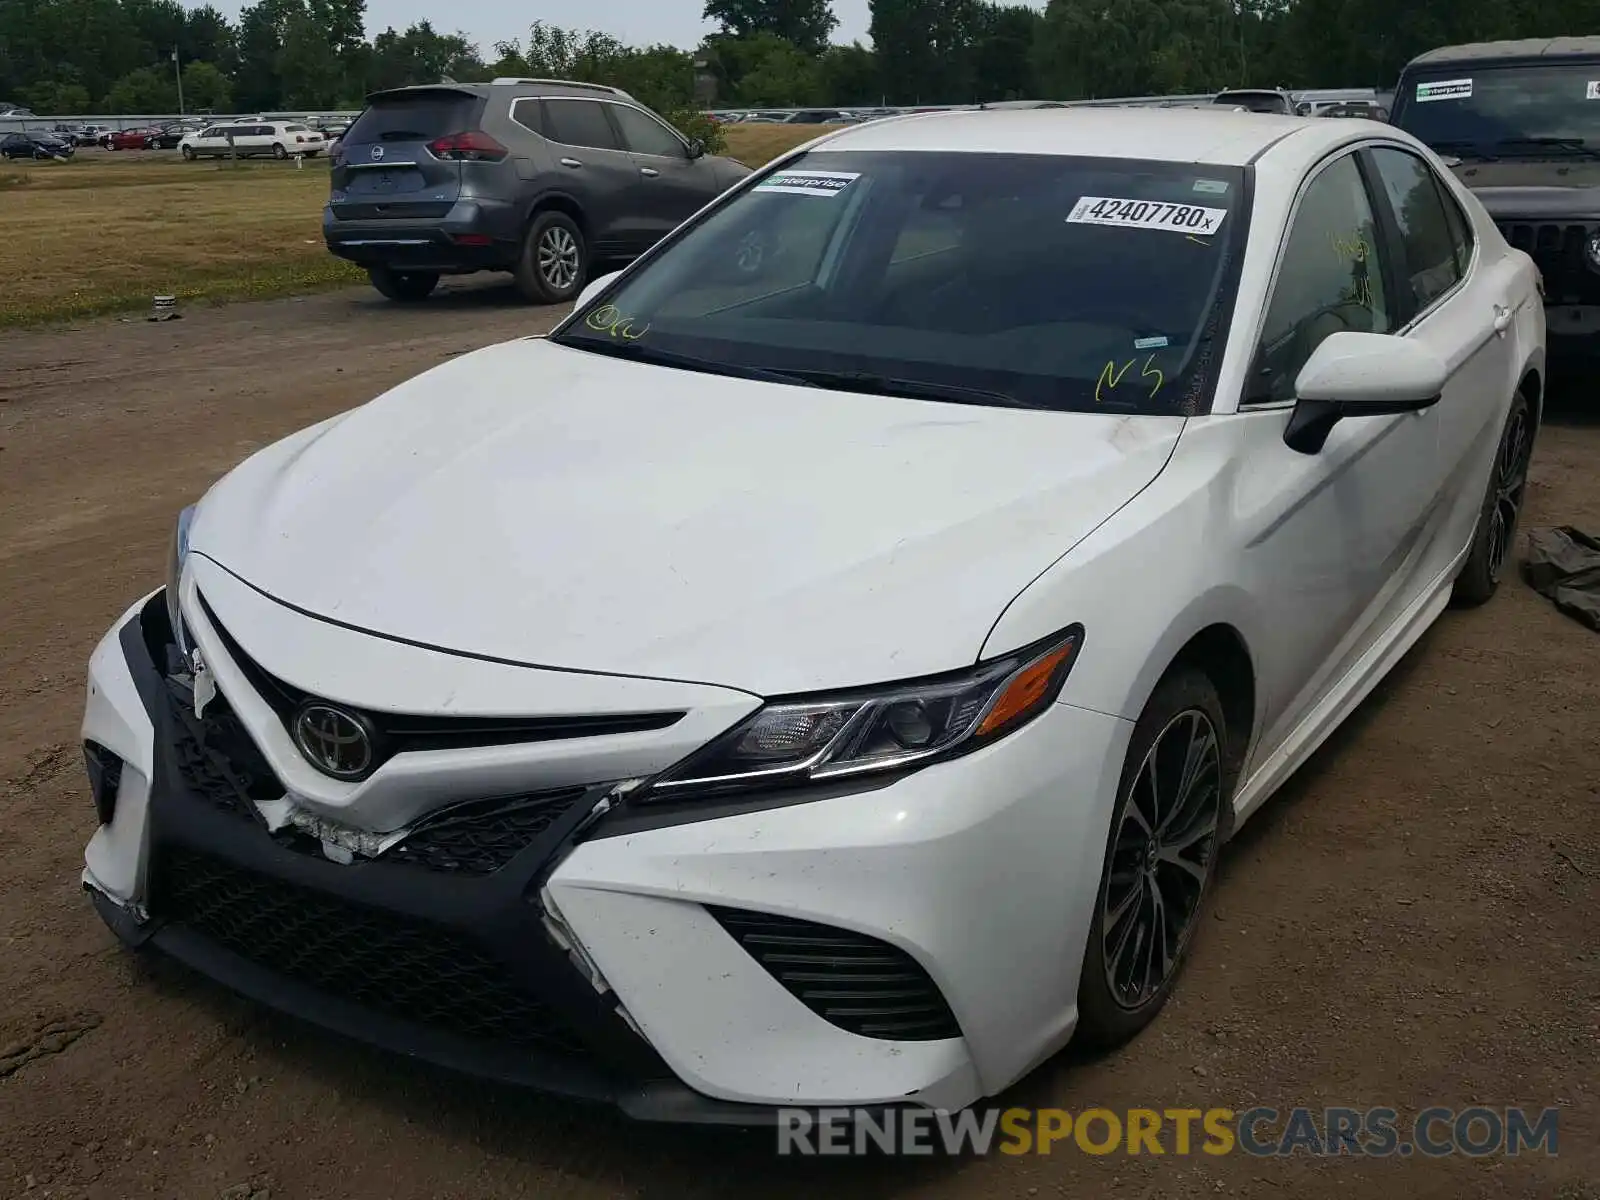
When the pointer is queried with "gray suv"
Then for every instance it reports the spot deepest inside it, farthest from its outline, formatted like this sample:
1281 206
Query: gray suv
538 177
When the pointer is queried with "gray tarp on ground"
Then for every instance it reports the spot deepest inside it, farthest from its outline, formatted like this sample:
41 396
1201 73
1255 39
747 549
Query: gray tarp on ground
1564 564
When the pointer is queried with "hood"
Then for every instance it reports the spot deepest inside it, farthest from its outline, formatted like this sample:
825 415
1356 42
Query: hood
553 507
1565 190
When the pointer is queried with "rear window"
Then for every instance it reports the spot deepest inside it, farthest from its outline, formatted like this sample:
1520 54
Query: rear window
416 117
296 129
1097 285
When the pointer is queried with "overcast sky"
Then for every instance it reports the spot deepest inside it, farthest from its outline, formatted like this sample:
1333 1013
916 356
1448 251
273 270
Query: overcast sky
676 22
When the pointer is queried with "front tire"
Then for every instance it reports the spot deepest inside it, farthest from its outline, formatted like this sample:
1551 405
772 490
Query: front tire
554 260
1166 834
405 286
188 153
1495 535
278 151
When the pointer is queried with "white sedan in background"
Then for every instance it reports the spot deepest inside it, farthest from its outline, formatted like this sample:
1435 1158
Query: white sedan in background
251 139
829 677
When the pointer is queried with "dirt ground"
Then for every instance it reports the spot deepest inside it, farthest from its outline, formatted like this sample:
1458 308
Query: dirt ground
1412 921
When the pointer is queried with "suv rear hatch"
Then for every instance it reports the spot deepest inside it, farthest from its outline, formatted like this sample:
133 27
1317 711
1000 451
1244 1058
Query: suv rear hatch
383 169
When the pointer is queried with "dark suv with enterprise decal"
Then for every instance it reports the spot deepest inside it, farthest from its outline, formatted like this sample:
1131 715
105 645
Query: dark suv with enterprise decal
1519 122
537 177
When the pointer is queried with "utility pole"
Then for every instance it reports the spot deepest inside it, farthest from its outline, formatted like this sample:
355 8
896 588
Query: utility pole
177 69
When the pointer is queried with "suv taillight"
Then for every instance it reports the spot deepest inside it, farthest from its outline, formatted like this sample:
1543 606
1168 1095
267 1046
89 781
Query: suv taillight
472 146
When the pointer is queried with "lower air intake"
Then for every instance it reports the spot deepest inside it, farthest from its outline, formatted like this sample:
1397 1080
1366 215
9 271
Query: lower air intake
848 979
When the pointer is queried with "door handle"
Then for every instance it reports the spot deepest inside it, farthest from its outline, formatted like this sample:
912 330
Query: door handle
1502 319
570 162
649 172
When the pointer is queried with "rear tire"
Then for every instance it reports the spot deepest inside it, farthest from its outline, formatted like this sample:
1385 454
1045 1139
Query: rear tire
554 261
1166 835
404 286
1494 539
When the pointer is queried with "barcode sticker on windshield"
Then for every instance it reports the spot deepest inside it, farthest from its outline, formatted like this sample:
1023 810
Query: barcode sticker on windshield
808 183
1445 89
1146 214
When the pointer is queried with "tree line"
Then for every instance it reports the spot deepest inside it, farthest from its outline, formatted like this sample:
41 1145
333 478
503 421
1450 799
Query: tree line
62 56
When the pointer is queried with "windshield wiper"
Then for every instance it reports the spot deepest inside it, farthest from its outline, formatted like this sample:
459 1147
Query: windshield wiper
910 389
1463 149
1576 145
687 362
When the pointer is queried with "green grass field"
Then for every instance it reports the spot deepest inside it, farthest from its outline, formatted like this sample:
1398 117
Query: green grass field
105 232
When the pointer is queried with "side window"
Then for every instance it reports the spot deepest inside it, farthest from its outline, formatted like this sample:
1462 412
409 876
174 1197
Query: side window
579 123
530 115
1460 228
643 134
1430 265
1329 280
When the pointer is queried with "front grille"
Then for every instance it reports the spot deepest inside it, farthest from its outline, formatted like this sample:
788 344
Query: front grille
1558 251
398 733
478 838
389 212
848 979
217 760
375 959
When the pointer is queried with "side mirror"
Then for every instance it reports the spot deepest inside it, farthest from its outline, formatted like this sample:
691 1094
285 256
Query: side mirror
697 149
1360 375
593 288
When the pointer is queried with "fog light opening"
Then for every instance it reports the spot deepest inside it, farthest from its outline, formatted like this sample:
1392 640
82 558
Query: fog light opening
105 778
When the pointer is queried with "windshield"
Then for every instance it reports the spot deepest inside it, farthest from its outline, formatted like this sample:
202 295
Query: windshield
1042 281
1504 112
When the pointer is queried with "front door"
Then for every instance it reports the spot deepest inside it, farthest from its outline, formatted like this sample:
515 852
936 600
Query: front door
1334 538
591 164
670 186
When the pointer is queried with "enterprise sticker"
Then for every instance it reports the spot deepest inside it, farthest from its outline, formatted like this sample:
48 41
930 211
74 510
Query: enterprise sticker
808 183
1445 89
1146 214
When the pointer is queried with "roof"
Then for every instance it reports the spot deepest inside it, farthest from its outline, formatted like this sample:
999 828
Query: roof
558 87
1523 48
1207 135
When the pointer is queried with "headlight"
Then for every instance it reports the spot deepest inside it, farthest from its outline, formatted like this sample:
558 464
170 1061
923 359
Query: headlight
811 739
177 552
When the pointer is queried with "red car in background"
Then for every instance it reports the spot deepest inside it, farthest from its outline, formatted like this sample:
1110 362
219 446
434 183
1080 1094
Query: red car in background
132 139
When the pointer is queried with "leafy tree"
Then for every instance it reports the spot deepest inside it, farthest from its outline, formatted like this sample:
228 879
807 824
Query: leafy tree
806 24
54 97
849 75
1002 52
924 48
308 65
422 55
206 88
207 37
764 70
144 91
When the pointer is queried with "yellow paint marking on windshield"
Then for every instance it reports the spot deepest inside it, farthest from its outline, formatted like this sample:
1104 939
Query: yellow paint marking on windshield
608 318
1111 376
1148 371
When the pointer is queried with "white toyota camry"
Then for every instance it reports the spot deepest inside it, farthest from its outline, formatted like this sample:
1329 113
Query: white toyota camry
825 669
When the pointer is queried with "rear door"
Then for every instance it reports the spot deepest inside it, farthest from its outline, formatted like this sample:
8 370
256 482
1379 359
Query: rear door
384 169
592 165
1459 304
669 186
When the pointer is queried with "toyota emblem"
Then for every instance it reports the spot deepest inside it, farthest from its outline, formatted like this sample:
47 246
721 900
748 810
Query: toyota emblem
334 741
377 154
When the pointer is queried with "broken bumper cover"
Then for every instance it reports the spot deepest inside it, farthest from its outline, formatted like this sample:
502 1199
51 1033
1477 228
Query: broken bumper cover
458 972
